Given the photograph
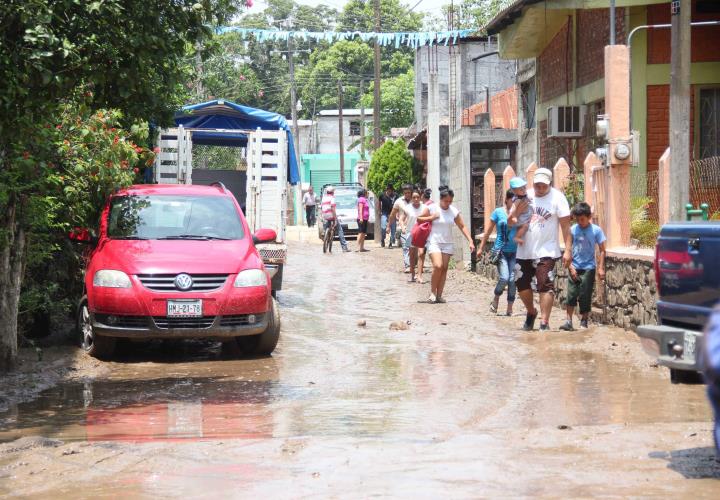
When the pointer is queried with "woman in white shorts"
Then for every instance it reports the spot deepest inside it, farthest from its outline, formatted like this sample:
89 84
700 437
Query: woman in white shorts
440 244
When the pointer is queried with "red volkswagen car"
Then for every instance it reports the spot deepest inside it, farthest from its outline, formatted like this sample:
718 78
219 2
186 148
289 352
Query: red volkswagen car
176 261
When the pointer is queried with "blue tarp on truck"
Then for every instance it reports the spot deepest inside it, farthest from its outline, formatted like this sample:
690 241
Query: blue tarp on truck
220 117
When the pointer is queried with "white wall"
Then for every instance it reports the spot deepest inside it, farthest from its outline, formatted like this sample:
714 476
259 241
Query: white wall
328 134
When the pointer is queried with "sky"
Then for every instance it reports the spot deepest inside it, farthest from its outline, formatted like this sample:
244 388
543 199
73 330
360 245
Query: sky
432 7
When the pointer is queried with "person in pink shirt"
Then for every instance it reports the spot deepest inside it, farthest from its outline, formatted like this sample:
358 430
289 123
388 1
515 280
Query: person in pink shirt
363 215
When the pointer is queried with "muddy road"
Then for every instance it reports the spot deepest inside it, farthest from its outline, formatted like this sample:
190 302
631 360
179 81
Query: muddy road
461 403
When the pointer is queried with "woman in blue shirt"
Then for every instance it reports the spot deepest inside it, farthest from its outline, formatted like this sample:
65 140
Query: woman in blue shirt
507 246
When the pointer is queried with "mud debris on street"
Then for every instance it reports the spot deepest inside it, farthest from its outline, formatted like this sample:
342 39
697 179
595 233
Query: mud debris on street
458 401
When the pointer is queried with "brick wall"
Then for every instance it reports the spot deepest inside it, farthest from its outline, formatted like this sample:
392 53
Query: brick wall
552 149
555 64
593 34
658 123
704 39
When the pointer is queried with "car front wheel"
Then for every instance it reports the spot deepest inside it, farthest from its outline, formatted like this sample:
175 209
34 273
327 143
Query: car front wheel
264 343
95 346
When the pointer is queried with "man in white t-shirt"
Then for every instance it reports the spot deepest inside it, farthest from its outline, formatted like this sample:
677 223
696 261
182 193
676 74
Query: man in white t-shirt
537 256
398 213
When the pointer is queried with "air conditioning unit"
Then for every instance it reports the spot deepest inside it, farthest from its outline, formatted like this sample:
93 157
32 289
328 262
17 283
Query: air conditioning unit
566 121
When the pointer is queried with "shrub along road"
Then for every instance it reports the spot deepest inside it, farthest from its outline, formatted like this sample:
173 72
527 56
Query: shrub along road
460 403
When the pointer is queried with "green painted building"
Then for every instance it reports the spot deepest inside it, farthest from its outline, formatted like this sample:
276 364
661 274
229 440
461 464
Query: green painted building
321 169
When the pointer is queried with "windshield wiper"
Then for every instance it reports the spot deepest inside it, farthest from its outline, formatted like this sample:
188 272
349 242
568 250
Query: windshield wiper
191 237
128 238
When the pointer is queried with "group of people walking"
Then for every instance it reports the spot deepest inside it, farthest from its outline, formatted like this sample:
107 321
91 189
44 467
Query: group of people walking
425 229
530 226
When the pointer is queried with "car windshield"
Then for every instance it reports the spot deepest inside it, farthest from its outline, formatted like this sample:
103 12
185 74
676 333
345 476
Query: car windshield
156 217
348 199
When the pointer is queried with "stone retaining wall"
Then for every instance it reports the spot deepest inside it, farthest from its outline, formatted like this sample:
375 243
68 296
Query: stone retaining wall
629 287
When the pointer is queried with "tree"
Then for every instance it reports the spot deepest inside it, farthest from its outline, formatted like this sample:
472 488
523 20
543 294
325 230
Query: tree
397 101
467 14
347 61
264 65
90 155
359 15
127 54
226 74
390 164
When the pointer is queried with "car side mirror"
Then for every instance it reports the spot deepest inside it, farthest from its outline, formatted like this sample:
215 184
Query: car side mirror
82 235
264 236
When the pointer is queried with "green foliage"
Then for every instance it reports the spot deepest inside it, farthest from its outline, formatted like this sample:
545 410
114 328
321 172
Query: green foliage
62 62
390 164
88 156
318 67
641 227
257 74
131 52
467 14
226 76
575 190
327 67
359 15
397 101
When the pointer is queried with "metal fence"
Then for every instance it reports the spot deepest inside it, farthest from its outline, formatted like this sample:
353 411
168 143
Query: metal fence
705 184
639 217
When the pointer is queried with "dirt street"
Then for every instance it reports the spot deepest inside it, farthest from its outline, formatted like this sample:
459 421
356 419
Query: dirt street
459 404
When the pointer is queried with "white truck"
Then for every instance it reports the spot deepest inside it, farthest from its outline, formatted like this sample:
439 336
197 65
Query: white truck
265 195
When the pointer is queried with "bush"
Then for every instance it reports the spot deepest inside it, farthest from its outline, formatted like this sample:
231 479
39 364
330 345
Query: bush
87 156
391 164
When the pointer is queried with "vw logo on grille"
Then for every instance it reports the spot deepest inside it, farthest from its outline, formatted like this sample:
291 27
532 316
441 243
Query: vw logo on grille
183 282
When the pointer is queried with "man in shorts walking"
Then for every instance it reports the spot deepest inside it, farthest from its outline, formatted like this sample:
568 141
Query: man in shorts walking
537 256
398 213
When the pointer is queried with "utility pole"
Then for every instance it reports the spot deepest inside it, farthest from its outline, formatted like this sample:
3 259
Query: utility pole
296 131
376 103
362 120
341 131
679 107
293 96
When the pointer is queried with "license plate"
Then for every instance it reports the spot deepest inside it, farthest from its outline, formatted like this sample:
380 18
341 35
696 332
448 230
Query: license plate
184 308
689 347
352 225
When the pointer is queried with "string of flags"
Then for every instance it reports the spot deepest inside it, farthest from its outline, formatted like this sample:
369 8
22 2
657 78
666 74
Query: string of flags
409 39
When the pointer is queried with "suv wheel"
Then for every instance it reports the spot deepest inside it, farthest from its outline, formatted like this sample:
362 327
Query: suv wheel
264 343
95 346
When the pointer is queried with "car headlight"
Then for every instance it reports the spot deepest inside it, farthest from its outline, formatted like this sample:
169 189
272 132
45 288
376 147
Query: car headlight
111 279
251 277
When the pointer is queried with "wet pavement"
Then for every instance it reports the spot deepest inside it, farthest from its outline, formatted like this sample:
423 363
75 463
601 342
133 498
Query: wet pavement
460 404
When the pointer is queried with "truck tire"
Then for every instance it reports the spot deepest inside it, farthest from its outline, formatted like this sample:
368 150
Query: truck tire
264 343
685 377
96 346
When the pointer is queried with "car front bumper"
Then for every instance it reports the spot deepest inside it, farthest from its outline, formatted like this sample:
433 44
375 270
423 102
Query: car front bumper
149 327
676 348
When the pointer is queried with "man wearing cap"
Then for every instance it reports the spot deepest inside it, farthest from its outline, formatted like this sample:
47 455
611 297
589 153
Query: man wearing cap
540 250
